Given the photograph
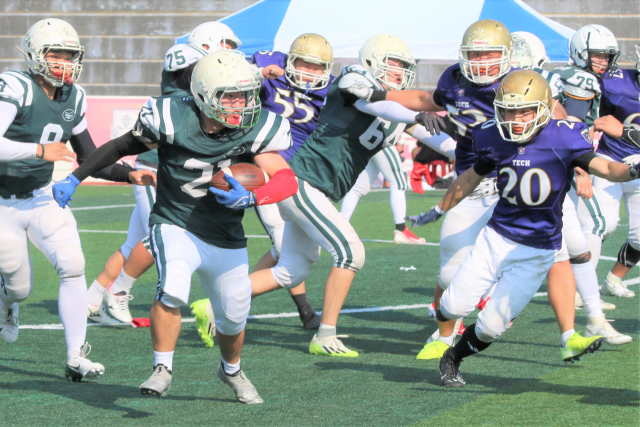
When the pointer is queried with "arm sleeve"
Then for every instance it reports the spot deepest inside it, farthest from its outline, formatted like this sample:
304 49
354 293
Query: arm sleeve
83 146
13 150
388 110
483 167
583 160
442 143
109 153
282 185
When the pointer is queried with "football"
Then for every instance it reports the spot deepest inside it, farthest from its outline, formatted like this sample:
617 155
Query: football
250 176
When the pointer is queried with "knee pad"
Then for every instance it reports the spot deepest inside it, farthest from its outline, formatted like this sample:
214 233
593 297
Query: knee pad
581 259
16 292
490 325
235 302
168 300
354 261
628 255
10 261
227 327
291 276
69 261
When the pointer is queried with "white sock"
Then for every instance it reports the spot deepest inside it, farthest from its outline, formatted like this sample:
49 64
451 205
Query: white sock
349 204
448 340
398 205
230 368
163 358
595 247
72 306
123 282
566 335
589 288
612 277
326 330
95 294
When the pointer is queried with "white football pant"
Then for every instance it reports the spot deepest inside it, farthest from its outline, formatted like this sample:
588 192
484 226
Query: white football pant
139 222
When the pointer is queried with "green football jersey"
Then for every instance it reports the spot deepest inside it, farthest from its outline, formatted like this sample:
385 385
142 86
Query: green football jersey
38 120
342 144
583 85
189 158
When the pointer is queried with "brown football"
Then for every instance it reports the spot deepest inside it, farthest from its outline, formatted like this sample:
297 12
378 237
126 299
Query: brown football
250 176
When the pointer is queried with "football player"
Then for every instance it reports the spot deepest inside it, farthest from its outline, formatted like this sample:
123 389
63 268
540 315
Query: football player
350 131
620 123
535 156
297 95
42 109
114 283
193 230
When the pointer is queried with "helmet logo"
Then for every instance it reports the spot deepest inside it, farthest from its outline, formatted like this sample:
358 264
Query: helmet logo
68 115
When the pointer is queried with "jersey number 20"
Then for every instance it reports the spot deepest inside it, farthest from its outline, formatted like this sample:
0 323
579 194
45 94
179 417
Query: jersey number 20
526 184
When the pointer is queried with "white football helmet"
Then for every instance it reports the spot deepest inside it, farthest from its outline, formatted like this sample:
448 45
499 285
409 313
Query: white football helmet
528 51
52 35
375 54
213 36
225 72
311 48
593 38
486 35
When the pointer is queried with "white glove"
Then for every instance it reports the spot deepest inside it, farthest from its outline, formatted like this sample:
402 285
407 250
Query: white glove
487 187
357 85
631 160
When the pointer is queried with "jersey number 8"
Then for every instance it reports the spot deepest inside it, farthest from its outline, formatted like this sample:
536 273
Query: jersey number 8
526 186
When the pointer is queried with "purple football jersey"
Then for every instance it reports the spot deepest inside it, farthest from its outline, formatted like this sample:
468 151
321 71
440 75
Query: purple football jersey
467 105
533 179
621 99
300 108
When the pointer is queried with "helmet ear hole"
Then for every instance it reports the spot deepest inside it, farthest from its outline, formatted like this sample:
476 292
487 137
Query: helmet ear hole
368 63
201 97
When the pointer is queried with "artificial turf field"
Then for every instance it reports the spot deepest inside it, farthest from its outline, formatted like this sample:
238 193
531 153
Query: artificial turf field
520 380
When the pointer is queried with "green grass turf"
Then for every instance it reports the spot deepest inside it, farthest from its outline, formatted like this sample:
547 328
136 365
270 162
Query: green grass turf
520 380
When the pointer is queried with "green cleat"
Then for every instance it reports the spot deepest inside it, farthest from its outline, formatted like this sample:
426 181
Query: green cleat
433 350
577 345
205 321
330 346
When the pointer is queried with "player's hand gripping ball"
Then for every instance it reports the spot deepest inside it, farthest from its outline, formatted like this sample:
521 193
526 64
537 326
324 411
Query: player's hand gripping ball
233 186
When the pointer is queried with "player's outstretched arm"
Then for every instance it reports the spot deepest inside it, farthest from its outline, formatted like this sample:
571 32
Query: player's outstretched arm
417 100
459 189
107 154
613 171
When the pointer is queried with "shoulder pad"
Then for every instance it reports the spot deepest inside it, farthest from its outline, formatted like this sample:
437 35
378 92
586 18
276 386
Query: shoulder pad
349 79
578 92
274 134
180 56
156 117
16 87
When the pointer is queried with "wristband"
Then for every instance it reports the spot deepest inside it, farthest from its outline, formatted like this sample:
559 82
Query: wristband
42 155
437 209
378 95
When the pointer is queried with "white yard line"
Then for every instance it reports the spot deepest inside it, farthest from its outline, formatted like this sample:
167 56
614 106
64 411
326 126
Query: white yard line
91 208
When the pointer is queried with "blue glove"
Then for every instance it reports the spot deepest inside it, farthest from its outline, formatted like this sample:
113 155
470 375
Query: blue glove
634 171
425 218
238 198
63 190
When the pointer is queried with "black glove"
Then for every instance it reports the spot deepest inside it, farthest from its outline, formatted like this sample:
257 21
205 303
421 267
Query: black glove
431 121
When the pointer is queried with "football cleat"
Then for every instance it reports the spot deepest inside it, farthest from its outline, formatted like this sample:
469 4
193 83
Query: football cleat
450 371
310 320
118 305
432 350
330 346
80 367
241 386
601 327
99 316
615 287
577 345
407 237
205 321
158 383
9 324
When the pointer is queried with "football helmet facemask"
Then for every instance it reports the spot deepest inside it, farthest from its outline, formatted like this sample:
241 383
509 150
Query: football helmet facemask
485 36
528 51
311 48
591 39
213 36
221 73
376 53
522 89
51 35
